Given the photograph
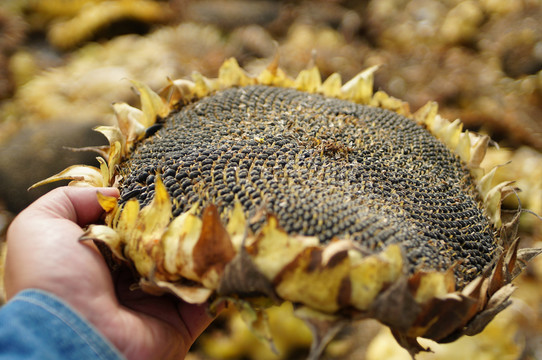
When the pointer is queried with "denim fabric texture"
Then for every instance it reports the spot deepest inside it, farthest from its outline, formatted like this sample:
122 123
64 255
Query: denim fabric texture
37 325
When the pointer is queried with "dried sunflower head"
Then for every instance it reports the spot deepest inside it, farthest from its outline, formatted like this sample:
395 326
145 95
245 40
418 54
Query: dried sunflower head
323 194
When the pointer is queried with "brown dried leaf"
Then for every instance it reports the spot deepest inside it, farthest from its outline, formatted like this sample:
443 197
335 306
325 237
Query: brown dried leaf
509 229
498 302
241 277
510 258
410 344
498 277
396 306
214 250
442 317
522 260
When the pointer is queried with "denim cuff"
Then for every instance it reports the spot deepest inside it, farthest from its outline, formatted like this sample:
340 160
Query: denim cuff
38 325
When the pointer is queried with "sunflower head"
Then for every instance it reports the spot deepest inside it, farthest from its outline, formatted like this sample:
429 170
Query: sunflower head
324 194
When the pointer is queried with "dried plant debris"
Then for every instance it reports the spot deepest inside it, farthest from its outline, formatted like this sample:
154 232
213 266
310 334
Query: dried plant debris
290 336
323 194
229 14
480 60
231 338
96 71
12 31
69 24
514 40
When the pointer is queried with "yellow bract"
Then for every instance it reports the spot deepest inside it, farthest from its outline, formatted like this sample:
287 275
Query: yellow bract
274 249
371 273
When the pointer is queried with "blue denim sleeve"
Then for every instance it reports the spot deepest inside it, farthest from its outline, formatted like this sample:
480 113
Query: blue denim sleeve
37 325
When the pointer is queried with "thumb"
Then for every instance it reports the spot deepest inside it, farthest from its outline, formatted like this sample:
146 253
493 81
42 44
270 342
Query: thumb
78 204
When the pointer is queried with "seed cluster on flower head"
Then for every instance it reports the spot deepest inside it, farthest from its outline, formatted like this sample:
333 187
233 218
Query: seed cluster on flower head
324 167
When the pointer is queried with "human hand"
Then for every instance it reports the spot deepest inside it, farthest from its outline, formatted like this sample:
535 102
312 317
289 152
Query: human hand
43 253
